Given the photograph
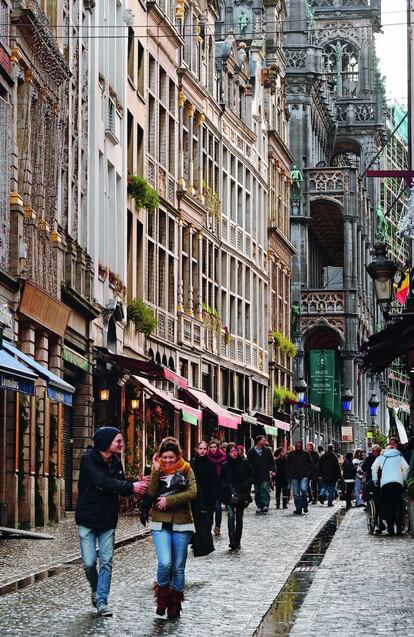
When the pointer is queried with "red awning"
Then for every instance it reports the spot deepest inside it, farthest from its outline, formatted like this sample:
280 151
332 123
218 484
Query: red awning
147 369
170 400
280 424
224 417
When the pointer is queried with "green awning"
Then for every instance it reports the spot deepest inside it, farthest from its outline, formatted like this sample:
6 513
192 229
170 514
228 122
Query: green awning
271 431
190 418
249 420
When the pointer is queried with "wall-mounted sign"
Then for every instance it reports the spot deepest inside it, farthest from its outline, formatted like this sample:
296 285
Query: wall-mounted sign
75 359
42 308
13 383
347 434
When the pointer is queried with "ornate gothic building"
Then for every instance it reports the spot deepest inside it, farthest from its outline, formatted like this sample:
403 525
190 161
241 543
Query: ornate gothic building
335 97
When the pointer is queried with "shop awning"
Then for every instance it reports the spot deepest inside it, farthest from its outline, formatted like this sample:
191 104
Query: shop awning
188 414
146 369
383 347
57 388
266 420
224 417
271 431
15 376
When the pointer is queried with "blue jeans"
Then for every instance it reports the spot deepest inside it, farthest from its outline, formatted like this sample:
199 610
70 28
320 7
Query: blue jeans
328 489
235 524
262 494
358 492
300 493
217 513
99 581
171 548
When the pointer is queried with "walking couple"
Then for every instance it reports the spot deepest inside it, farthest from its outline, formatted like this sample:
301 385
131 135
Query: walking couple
168 492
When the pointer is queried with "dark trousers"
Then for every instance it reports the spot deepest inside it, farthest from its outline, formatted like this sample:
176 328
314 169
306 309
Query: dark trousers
348 493
282 487
313 489
391 497
235 525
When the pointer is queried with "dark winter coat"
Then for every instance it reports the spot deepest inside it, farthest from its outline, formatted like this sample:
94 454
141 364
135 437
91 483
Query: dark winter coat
236 476
100 485
348 470
367 466
281 469
328 467
298 464
261 465
314 456
207 482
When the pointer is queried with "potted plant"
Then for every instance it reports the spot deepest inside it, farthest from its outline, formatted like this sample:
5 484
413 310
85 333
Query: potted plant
145 196
142 316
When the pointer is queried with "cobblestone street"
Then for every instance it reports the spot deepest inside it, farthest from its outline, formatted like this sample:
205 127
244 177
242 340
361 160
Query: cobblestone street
229 594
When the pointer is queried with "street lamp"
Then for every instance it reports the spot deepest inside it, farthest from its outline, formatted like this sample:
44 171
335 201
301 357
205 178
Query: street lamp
301 388
373 404
382 271
347 398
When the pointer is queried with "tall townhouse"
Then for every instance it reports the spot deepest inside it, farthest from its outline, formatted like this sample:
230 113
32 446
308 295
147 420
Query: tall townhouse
34 319
337 128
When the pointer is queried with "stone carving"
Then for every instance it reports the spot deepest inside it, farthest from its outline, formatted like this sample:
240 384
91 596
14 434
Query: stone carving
308 323
322 303
295 58
321 180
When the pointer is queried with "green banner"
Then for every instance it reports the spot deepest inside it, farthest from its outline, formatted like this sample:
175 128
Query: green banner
322 380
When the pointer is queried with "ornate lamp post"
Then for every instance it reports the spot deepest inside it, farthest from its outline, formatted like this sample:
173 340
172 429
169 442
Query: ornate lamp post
301 388
373 404
347 398
382 271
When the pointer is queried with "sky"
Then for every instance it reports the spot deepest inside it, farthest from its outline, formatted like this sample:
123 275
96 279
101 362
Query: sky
392 49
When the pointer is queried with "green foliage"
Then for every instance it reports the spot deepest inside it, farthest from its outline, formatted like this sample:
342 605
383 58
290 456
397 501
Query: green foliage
282 395
286 346
212 201
211 319
379 438
410 488
145 196
142 316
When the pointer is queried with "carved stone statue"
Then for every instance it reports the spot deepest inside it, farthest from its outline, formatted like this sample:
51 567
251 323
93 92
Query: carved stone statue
381 226
295 317
297 179
243 22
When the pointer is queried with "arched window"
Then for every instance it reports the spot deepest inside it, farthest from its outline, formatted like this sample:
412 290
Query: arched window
341 68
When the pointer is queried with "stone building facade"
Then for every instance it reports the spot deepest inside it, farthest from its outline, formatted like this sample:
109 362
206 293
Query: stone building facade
337 128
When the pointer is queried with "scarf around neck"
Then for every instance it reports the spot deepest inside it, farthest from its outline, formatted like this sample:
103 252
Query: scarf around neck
218 457
180 465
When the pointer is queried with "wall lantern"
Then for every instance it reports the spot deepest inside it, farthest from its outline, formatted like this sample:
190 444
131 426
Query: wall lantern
347 398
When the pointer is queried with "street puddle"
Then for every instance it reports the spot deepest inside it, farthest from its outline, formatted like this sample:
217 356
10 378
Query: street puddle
282 614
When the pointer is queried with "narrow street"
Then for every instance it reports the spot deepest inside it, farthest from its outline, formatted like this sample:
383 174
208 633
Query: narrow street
230 594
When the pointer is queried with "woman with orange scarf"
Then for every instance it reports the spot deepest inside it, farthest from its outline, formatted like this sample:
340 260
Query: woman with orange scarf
173 486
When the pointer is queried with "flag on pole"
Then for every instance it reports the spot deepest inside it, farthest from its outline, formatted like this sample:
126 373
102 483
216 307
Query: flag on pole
402 288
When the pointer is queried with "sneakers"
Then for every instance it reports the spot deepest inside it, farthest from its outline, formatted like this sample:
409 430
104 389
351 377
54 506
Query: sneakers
297 512
104 611
265 510
93 599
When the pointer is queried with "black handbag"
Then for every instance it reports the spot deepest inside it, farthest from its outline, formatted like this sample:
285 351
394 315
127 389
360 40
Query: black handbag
240 500
202 541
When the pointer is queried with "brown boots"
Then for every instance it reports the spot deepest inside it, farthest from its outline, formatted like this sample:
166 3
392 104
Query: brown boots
174 604
162 596
167 599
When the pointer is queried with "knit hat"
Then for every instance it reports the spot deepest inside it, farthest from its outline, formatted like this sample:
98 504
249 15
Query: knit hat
103 437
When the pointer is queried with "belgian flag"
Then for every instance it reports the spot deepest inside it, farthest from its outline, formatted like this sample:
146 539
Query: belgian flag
402 288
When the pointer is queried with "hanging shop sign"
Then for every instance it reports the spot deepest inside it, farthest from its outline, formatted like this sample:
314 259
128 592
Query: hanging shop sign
322 380
347 434
42 308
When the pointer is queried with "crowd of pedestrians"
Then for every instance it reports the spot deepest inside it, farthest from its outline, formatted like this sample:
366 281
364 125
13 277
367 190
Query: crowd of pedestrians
183 501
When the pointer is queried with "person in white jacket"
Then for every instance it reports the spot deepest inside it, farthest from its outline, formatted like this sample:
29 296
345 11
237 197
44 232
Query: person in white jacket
394 471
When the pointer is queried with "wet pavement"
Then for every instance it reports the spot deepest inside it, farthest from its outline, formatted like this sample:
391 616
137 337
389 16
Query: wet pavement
26 560
226 594
364 586
309 576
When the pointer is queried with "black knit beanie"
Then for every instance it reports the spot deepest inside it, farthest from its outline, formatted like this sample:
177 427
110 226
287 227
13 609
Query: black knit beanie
103 437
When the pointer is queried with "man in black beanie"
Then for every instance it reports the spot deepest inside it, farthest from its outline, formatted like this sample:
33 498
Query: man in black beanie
101 482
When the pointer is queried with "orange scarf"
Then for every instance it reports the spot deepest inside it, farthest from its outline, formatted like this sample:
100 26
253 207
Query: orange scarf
180 465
